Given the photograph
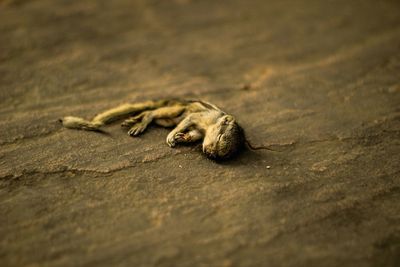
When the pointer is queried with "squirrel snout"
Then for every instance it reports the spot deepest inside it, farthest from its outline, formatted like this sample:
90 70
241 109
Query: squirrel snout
210 153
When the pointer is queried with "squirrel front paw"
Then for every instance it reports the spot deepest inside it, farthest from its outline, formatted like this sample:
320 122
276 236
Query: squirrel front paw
174 138
171 139
171 142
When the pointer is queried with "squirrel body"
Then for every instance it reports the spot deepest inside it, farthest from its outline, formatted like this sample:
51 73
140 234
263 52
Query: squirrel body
194 120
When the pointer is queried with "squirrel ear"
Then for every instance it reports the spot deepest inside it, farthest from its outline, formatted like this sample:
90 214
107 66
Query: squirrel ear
228 118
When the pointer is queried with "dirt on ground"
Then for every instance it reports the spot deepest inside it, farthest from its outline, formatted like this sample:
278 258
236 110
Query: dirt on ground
319 81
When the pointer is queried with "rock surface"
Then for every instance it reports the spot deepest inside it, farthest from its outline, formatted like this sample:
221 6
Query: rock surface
317 80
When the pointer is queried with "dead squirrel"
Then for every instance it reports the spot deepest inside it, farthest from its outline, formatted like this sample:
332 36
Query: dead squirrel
193 120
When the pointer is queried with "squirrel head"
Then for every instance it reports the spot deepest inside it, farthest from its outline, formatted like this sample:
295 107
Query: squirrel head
223 139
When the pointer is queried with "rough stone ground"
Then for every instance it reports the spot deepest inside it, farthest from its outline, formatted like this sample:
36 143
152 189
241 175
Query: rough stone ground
318 80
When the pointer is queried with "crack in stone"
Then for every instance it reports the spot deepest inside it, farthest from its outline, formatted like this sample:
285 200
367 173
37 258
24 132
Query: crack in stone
296 143
45 173
20 139
66 169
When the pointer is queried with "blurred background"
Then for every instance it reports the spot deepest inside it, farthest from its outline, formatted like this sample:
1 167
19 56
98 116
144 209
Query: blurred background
317 80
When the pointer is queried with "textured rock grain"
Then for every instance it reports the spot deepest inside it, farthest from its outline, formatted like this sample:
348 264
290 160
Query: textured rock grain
318 80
